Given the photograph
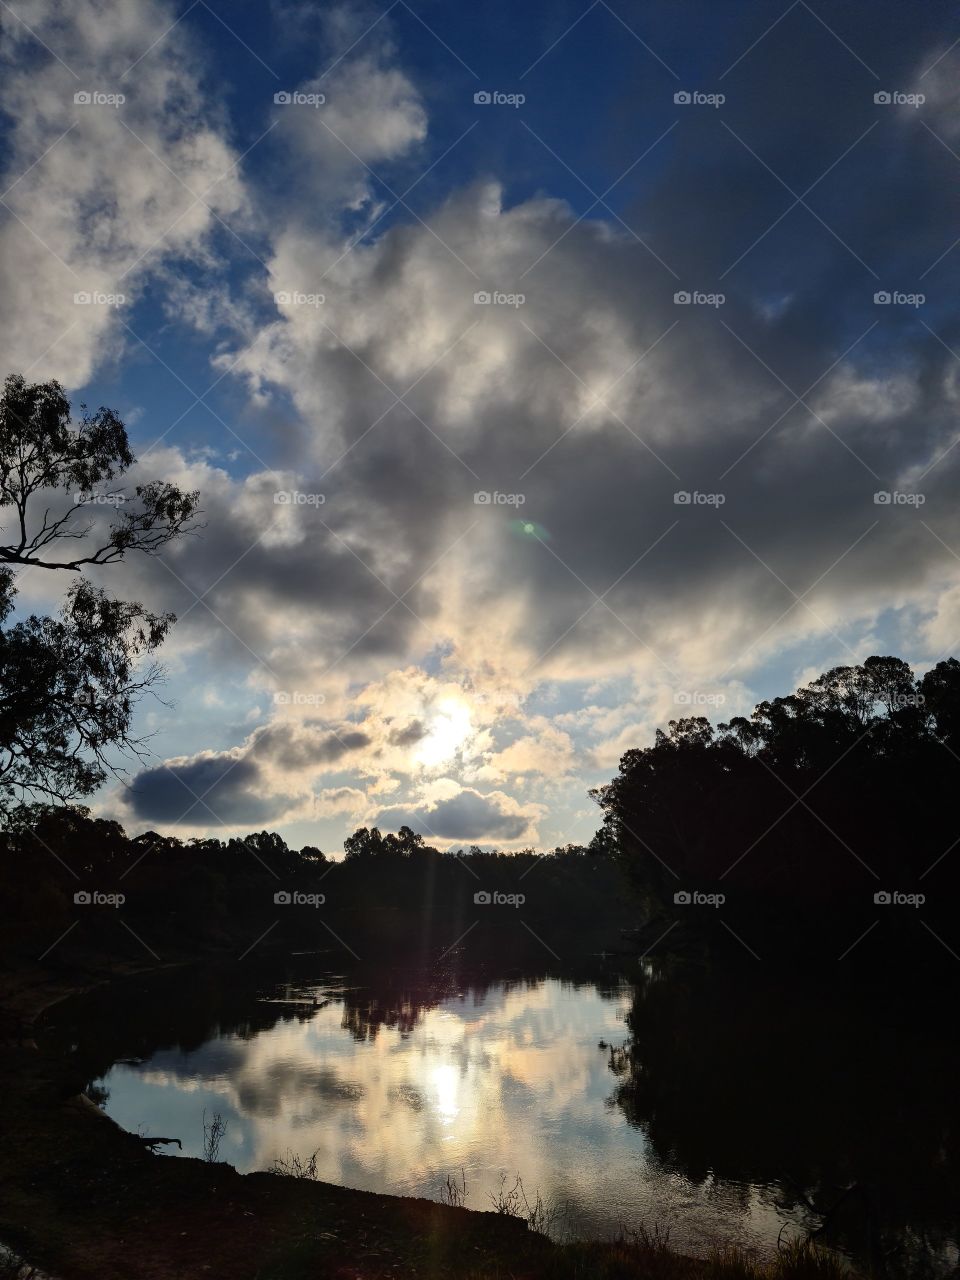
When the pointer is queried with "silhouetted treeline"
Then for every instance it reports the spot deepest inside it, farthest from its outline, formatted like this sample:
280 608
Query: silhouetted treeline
64 868
823 812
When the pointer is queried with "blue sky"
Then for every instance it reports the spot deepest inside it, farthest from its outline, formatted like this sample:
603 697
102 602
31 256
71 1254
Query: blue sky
398 650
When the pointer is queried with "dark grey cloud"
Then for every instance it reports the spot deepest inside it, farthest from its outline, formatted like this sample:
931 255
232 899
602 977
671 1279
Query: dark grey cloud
241 787
209 790
408 735
293 747
469 815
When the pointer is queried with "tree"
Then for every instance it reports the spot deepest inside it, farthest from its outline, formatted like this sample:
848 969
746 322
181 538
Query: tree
40 450
364 843
806 809
69 685
940 698
404 844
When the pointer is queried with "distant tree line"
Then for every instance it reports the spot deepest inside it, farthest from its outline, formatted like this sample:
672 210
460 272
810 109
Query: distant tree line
389 889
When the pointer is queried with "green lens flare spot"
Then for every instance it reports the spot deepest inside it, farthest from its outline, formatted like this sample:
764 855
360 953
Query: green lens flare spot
529 529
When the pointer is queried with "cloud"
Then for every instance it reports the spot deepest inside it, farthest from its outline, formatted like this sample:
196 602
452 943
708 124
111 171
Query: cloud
100 193
337 800
211 789
265 780
469 815
582 404
548 751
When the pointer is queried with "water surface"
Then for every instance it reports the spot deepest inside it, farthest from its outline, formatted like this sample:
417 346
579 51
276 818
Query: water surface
622 1100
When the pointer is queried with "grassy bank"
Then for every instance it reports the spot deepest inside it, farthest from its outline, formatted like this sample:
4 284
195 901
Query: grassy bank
80 1197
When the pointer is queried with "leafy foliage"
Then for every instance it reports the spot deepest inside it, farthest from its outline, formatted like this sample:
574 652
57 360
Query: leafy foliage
69 684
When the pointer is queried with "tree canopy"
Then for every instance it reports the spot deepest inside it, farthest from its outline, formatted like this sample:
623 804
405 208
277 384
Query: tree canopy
822 797
69 684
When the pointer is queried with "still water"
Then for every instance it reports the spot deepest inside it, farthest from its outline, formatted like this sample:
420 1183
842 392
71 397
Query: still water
623 1100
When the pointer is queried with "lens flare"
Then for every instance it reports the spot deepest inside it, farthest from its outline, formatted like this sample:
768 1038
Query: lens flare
529 529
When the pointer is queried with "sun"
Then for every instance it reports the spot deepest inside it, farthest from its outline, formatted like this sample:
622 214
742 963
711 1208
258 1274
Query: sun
447 730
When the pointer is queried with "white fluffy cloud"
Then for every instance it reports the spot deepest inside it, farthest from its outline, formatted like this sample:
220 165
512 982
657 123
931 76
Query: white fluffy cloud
98 193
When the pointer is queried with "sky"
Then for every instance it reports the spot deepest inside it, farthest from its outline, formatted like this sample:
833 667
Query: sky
547 372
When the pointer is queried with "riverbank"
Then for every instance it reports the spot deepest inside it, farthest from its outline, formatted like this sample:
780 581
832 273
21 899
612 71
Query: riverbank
80 1197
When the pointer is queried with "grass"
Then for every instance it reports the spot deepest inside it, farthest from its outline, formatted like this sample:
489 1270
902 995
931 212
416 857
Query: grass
644 1259
293 1166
